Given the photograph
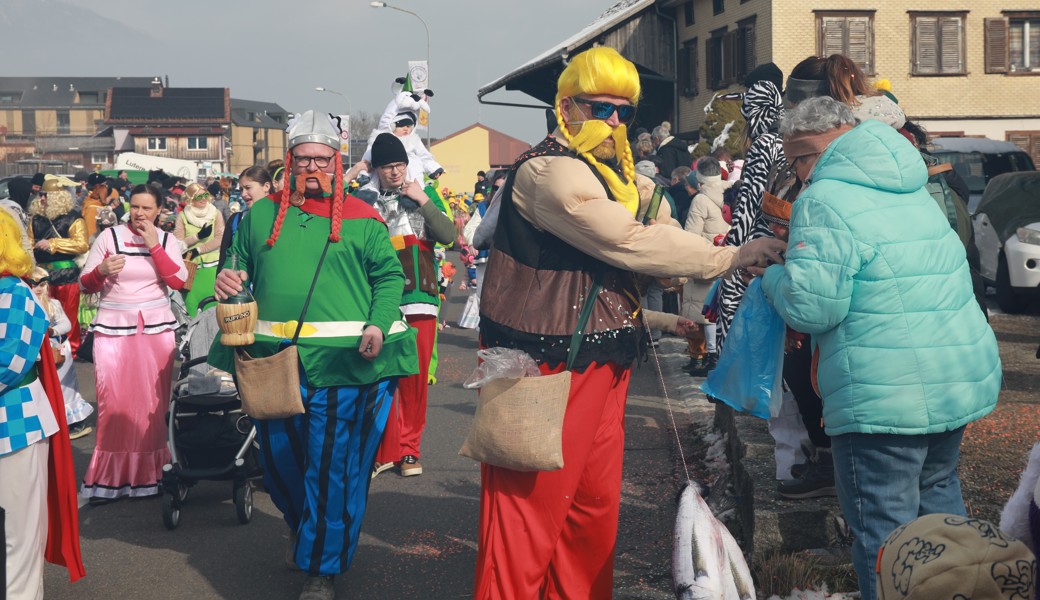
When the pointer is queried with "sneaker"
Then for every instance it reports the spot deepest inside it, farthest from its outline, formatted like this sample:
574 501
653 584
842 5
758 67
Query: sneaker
79 430
319 587
816 482
290 553
410 466
381 467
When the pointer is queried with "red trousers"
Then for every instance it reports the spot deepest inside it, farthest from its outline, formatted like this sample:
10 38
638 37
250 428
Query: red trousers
407 420
68 295
551 534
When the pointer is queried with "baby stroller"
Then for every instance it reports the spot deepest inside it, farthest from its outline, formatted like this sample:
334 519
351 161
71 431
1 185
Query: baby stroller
209 436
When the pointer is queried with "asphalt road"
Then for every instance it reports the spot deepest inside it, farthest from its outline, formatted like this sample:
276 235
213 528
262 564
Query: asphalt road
419 536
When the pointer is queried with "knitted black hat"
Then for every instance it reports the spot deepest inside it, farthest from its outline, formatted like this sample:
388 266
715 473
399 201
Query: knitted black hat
20 189
765 72
94 179
38 179
387 149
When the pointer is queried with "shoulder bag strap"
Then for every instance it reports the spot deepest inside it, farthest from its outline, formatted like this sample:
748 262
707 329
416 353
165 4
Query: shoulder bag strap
583 317
310 292
115 239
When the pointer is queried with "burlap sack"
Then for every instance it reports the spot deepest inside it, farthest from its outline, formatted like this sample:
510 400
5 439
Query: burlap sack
519 423
269 387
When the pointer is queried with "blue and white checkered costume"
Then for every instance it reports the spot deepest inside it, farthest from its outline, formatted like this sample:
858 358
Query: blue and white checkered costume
23 330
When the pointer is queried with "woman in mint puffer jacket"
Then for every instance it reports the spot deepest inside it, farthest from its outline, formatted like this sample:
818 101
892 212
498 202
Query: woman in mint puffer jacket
906 358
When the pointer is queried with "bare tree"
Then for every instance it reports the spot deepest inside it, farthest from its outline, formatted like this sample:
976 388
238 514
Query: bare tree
362 124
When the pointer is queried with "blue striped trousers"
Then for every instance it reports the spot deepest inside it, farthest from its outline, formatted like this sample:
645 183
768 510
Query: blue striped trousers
318 466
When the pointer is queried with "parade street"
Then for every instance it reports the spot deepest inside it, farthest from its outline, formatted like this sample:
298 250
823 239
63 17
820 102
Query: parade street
419 536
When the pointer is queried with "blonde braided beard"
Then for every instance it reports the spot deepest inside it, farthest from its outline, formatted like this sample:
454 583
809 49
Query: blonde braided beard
589 142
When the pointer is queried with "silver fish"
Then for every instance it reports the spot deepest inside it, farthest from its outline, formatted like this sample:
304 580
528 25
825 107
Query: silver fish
707 563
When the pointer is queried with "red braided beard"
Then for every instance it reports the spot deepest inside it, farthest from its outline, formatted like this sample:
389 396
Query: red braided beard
328 184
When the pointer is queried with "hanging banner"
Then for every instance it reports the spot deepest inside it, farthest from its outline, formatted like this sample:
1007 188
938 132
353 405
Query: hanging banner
419 75
344 135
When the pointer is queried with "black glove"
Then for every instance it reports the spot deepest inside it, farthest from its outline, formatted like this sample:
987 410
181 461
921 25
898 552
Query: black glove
205 231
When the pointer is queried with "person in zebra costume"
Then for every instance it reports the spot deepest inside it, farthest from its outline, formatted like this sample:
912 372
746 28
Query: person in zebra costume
763 108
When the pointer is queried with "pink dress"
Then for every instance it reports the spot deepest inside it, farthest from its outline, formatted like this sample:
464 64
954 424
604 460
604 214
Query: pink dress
133 362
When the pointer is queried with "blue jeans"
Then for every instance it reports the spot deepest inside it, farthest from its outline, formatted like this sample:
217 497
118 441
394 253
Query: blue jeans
885 481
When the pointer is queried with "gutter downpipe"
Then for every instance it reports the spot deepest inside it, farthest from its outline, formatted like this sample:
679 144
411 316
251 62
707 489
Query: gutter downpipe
675 61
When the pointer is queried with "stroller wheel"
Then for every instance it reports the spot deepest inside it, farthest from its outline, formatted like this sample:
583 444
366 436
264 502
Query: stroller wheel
171 512
182 493
244 503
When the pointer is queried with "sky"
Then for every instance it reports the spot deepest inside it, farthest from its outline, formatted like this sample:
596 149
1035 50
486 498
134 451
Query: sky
280 51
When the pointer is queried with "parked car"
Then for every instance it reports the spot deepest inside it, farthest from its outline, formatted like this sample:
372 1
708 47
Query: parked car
978 160
1007 234
4 182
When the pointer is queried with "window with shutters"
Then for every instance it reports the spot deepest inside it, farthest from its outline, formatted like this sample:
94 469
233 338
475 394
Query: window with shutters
937 44
730 55
1013 43
848 33
1028 141
688 69
688 14
718 6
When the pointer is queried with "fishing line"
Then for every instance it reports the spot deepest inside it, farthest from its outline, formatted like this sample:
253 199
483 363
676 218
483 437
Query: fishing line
667 400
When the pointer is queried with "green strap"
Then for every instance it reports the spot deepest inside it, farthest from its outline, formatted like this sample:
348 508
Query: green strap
654 206
583 318
59 264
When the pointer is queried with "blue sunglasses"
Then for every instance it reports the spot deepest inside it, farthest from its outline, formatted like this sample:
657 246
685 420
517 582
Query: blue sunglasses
626 113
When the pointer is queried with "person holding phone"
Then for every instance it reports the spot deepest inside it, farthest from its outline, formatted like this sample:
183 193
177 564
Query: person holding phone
132 266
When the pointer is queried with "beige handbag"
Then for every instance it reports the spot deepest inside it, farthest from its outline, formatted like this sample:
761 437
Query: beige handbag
270 386
519 422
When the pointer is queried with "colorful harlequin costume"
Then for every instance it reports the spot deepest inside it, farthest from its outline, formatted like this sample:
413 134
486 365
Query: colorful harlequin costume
414 231
321 484
37 480
566 216
53 219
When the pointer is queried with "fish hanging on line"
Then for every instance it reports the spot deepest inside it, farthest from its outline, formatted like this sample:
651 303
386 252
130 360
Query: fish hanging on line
707 563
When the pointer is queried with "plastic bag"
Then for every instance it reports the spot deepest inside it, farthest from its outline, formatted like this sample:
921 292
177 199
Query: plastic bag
749 373
501 363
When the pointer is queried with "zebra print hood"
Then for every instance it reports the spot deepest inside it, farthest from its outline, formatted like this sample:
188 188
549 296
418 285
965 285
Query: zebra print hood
763 108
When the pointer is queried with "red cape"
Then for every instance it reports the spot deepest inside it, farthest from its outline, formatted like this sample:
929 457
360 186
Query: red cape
62 505
353 208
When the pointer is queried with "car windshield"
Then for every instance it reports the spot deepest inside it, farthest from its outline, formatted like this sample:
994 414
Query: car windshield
969 166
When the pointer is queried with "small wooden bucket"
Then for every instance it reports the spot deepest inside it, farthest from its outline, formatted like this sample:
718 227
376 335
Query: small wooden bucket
237 322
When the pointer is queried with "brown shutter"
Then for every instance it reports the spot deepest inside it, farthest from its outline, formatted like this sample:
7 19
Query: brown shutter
750 60
729 57
859 42
951 33
684 71
694 82
996 45
926 45
831 36
709 67
1019 139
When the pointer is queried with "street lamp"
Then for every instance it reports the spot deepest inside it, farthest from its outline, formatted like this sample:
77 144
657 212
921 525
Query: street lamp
427 28
349 114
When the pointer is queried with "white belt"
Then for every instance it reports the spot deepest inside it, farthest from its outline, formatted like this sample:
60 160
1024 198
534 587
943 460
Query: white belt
160 303
320 329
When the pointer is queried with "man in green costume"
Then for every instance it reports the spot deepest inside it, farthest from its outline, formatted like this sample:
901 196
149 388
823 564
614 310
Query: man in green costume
353 346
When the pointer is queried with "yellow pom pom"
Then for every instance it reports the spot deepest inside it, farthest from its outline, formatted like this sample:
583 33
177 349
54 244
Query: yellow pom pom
883 85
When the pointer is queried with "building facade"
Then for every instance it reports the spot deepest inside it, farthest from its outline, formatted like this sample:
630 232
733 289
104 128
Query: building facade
958 68
257 133
57 122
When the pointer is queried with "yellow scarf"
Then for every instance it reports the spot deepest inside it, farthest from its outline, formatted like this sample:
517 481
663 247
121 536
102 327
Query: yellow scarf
591 135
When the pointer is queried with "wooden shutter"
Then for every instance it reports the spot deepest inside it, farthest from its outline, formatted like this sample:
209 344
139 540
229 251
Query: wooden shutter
831 38
694 83
859 36
951 46
996 45
709 67
684 71
1020 139
926 45
729 57
748 50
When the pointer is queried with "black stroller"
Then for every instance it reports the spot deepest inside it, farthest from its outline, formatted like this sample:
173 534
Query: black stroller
209 436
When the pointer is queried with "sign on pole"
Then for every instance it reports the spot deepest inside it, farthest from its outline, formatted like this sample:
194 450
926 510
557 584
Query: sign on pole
344 136
418 72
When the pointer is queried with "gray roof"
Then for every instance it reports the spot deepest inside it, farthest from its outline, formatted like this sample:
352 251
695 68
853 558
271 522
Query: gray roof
60 92
136 105
251 113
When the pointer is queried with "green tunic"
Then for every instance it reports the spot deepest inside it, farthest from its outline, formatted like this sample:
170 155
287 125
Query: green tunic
361 283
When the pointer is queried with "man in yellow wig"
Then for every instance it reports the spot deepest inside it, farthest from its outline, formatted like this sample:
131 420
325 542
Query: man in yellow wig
572 213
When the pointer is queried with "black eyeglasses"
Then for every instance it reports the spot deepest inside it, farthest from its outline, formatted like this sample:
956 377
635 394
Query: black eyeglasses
319 161
37 282
626 113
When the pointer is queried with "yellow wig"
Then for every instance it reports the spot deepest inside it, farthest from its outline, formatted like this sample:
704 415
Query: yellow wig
603 71
13 259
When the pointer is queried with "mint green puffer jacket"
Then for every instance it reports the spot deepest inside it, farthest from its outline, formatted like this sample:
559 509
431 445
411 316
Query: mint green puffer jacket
877 276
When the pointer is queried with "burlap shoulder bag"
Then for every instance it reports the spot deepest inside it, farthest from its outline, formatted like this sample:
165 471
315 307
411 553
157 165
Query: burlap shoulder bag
519 422
270 386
